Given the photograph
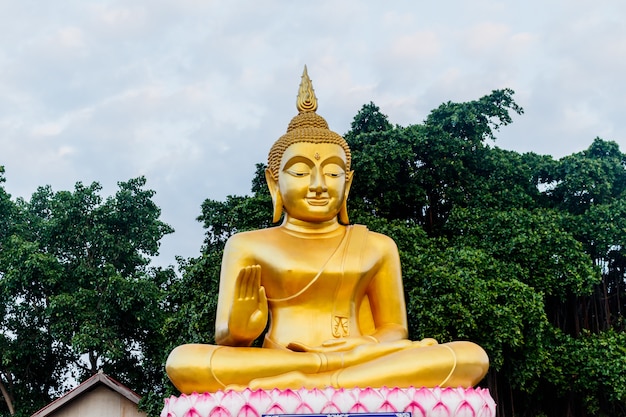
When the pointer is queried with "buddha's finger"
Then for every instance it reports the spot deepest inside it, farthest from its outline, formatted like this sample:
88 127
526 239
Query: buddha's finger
427 342
251 289
252 281
246 286
262 301
299 347
255 272
239 284
334 343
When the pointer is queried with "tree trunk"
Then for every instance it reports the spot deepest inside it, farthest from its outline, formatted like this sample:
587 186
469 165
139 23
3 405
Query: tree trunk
7 398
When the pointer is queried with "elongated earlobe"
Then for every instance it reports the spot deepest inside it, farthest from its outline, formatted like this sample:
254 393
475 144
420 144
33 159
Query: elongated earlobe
277 200
278 208
343 211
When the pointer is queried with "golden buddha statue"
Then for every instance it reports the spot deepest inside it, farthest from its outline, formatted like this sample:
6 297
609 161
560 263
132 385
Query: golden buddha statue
332 292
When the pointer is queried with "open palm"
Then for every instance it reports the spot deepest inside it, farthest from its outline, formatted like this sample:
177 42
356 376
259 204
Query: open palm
248 314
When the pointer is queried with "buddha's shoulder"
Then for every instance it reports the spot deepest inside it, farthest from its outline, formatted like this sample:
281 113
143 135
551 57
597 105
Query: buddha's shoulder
258 235
378 241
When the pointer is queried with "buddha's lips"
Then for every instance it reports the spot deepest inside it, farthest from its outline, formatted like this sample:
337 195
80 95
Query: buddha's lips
317 201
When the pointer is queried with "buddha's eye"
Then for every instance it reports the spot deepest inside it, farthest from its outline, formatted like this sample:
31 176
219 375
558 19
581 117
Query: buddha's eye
298 170
333 171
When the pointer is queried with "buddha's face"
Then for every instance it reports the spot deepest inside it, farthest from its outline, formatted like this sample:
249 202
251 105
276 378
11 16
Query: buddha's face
312 180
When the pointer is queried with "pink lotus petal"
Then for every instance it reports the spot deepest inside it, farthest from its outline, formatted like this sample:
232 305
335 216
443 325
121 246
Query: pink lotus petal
452 397
371 399
315 399
275 393
488 399
440 410
358 408
205 403
192 412
260 399
427 398
486 411
289 400
304 409
329 392
387 407
484 408
180 405
248 411
330 408
474 398
245 393
233 400
465 409
166 406
220 412
218 395
415 409
275 409
398 398
482 392
344 399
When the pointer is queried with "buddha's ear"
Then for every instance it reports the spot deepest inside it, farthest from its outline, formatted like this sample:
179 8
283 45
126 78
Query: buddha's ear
277 200
343 212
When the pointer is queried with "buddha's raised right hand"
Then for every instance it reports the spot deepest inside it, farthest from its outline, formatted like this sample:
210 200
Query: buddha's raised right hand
248 312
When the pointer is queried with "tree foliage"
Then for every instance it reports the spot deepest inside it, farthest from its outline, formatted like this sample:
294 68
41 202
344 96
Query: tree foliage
525 253
77 292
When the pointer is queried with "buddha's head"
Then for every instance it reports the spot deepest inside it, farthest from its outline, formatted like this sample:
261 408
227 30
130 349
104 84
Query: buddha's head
309 166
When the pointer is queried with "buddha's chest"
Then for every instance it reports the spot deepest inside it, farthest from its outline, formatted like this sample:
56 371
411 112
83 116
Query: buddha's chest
310 271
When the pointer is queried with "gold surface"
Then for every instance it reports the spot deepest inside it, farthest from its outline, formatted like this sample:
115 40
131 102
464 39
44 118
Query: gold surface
306 102
332 293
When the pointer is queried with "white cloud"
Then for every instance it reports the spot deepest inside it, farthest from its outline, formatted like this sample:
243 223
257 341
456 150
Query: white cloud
70 37
192 93
66 151
417 46
58 126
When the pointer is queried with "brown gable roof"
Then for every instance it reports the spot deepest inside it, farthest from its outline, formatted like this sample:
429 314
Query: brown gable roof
88 385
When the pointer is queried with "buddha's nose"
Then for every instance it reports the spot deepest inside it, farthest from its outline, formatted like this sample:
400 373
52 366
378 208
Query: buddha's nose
318 185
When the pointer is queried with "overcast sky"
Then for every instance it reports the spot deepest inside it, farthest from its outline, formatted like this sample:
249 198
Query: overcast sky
192 93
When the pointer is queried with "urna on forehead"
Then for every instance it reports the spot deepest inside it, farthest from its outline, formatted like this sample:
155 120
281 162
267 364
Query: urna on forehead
306 126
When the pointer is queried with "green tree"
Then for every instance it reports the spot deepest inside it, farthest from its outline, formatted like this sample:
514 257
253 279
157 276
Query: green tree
533 242
78 291
589 178
420 172
8 211
369 120
591 187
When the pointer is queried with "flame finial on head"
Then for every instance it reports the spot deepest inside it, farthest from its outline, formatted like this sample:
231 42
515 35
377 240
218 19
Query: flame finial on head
306 102
306 126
